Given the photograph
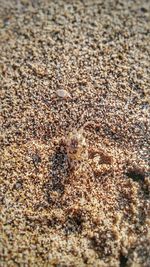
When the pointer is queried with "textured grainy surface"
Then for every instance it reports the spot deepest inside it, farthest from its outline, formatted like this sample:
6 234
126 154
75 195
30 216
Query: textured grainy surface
97 213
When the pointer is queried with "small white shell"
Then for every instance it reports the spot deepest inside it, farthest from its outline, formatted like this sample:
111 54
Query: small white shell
63 93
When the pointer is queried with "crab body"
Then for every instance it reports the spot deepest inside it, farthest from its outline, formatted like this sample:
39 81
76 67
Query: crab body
76 147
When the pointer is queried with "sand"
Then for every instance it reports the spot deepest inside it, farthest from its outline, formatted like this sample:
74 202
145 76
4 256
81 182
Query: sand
54 212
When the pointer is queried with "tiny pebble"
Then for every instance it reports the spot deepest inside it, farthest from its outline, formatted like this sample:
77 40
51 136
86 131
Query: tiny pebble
63 93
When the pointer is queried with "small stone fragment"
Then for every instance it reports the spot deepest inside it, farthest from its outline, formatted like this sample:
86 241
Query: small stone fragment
63 93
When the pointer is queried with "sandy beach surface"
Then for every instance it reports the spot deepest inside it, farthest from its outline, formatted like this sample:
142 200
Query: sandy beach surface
74 183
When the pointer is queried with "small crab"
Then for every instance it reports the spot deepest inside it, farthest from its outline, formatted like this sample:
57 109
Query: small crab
76 147
80 155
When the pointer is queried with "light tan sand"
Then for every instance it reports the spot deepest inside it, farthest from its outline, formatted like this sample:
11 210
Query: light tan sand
95 214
